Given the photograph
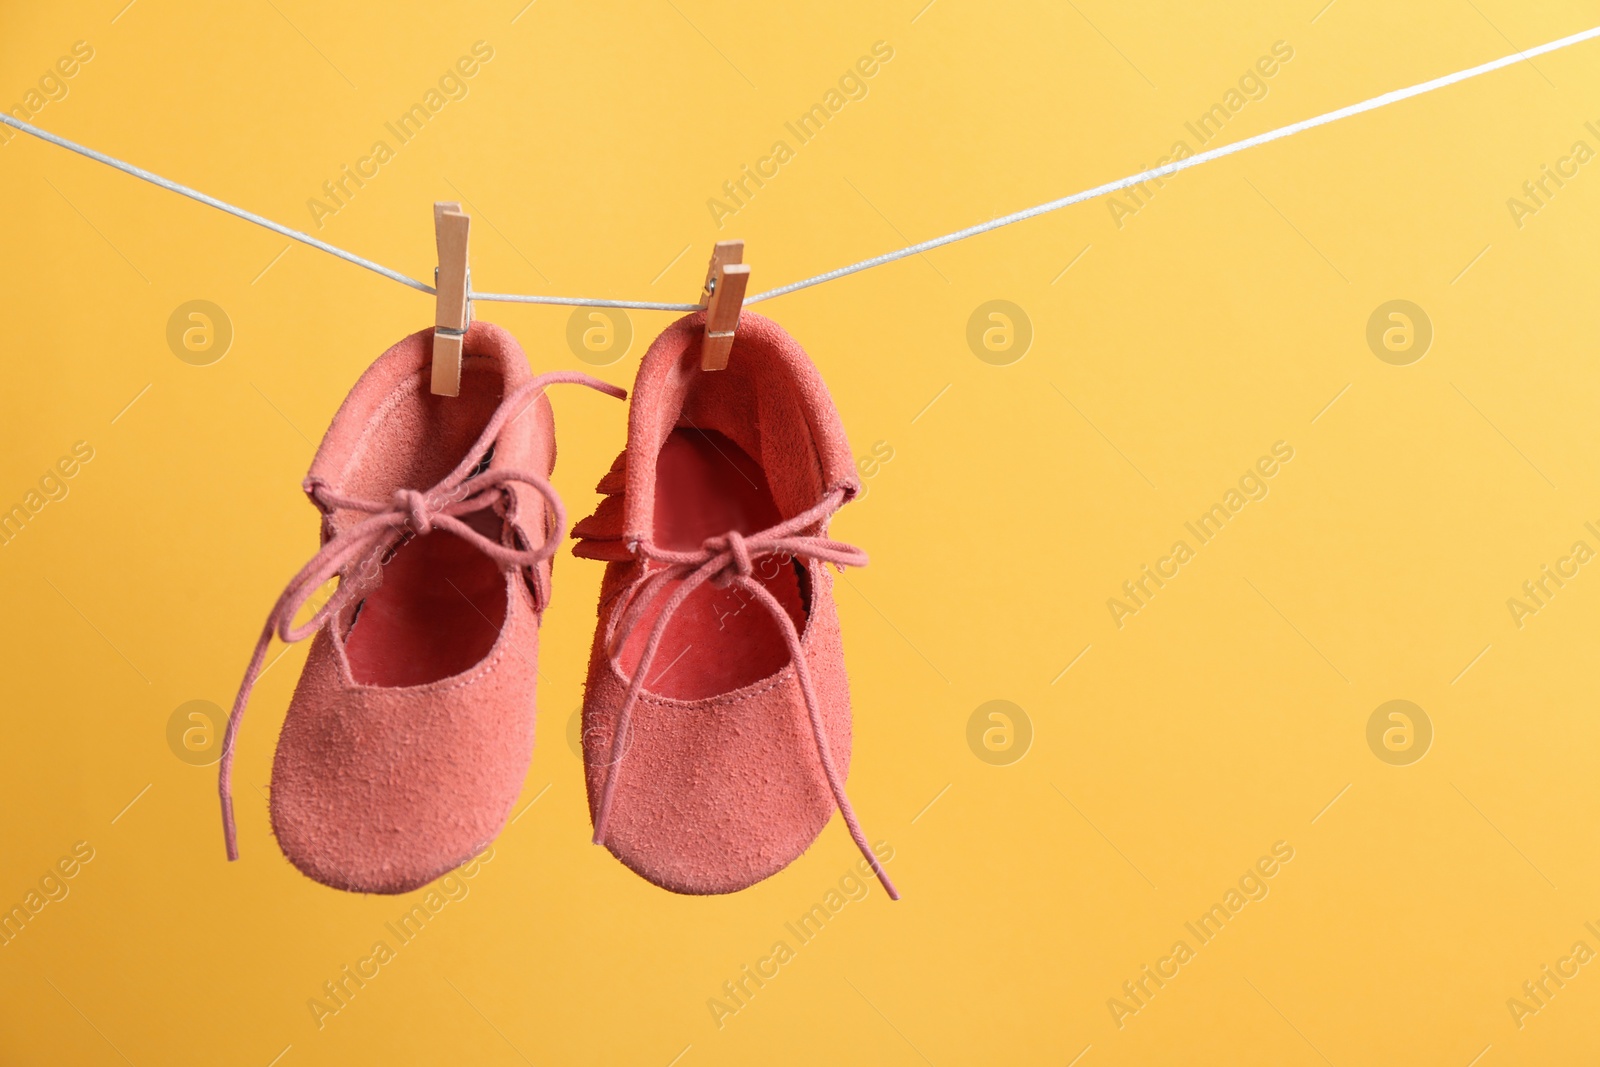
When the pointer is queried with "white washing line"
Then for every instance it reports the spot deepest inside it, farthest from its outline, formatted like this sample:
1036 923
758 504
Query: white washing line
1163 171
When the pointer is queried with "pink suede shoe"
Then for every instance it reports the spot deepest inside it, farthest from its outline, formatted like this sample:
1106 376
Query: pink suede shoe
716 721
408 737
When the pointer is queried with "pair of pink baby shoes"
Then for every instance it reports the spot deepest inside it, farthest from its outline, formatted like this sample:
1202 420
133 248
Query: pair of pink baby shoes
716 718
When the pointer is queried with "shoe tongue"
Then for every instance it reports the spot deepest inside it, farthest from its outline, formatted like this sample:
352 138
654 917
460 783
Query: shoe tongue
392 433
770 401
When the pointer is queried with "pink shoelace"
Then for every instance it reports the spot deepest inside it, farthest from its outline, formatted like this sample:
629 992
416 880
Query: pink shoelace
724 561
354 554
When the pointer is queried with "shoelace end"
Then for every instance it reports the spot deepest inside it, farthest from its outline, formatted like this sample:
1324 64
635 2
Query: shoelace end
228 835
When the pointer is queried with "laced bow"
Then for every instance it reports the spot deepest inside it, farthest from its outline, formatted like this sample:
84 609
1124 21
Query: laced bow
728 561
355 553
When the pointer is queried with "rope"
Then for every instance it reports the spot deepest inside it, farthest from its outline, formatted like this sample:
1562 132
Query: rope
1163 171
195 194
1183 164
583 301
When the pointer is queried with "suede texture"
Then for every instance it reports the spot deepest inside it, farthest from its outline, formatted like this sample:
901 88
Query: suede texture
717 793
382 788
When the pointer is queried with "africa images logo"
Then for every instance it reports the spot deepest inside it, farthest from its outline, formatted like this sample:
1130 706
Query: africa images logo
1252 487
338 191
852 85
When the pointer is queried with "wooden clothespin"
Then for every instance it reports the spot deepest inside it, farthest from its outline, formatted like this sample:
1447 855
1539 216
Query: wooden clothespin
454 311
726 280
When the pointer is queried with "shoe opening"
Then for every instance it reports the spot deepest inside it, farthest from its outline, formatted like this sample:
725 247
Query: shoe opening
720 639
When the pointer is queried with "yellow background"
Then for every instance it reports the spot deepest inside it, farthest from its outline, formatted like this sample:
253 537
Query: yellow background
1226 716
